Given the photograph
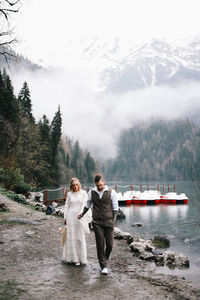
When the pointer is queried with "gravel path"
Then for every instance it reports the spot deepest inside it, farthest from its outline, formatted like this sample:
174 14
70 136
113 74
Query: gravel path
31 267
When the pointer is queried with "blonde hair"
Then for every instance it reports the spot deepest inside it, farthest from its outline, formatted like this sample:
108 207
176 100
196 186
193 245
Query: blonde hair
71 183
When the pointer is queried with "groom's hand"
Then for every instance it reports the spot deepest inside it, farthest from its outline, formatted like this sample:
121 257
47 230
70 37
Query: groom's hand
79 216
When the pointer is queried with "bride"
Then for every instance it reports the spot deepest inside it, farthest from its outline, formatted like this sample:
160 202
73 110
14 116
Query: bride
74 249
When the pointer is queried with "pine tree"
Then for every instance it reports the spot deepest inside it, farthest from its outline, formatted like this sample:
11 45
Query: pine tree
9 116
25 102
90 167
67 160
2 96
9 108
75 157
55 135
44 129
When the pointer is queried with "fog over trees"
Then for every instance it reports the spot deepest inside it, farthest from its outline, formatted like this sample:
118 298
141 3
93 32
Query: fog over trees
33 154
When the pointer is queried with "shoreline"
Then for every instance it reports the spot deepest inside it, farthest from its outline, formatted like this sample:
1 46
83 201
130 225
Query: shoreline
31 267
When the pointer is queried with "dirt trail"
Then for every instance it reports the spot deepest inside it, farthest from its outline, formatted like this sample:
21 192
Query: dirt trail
31 267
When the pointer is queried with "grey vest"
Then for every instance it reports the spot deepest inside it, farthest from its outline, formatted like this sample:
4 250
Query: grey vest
102 209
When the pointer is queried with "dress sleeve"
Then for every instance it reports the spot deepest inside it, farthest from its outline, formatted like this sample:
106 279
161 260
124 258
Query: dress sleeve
87 218
84 200
67 206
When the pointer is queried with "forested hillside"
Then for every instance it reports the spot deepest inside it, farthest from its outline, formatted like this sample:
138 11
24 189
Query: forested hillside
74 161
17 62
31 153
157 151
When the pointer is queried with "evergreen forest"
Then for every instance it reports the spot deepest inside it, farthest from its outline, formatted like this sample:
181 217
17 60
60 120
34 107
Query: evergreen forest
36 154
160 150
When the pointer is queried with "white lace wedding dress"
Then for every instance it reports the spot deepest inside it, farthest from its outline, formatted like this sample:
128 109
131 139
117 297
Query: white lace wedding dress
74 249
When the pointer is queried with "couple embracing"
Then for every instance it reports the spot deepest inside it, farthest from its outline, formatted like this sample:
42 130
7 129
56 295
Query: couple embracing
77 216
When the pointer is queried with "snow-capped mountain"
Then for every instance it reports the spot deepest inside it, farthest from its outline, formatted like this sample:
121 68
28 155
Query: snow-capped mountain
156 62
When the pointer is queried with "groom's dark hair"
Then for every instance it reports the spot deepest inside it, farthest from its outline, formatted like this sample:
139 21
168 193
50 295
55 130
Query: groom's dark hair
98 177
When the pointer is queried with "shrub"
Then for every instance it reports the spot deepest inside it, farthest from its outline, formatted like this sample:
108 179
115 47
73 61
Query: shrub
13 180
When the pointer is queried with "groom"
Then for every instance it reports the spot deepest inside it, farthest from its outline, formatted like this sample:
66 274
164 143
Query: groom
105 207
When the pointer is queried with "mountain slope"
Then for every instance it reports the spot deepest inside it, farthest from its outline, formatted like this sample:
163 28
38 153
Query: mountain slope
17 62
128 65
154 63
157 151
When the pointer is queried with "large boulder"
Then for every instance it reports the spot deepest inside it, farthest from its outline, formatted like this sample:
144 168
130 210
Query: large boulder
173 258
161 242
142 246
121 235
137 247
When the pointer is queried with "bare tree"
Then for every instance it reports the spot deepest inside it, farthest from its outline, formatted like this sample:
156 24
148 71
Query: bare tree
7 7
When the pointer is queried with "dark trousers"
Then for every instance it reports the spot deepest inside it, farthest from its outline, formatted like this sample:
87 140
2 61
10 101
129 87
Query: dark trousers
104 236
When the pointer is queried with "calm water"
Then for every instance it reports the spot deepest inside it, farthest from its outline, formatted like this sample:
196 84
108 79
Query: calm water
180 223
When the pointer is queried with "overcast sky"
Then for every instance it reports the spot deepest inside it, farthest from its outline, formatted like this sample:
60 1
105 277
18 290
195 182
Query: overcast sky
44 29
45 26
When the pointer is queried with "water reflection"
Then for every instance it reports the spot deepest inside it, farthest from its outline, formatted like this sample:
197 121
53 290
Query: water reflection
136 213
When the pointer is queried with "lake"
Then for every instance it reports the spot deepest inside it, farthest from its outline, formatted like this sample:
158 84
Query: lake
180 223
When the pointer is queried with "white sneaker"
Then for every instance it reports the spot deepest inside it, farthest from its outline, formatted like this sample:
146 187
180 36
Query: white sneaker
104 271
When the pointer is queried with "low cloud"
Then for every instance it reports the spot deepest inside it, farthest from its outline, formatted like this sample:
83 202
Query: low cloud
98 119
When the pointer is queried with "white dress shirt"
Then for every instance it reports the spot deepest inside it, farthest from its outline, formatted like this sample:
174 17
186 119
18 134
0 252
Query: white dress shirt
113 197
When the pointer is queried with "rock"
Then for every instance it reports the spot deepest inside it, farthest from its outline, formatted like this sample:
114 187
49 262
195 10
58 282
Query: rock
121 235
138 224
161 242
146 255
159 260
174 258
149 246
120 214
3 207
187 241
137 247
36 196
44 209
157 252
117 232
129 240
61 213
133 238
146 250
29 232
